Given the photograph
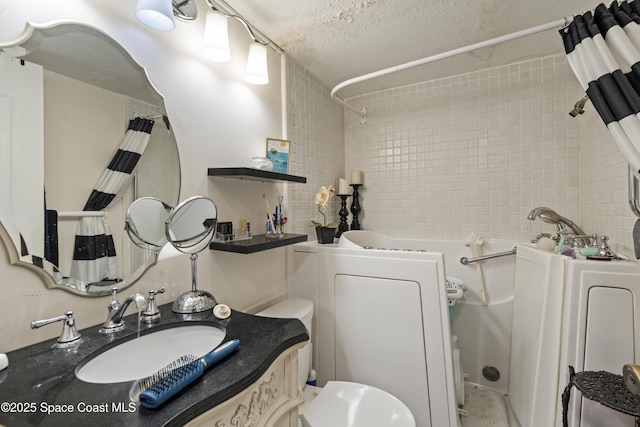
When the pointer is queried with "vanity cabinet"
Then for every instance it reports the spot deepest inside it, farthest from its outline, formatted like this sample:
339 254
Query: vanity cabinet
271 401
258 242
255 387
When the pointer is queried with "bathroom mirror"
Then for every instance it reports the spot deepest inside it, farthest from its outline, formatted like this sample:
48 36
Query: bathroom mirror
145 223
91 89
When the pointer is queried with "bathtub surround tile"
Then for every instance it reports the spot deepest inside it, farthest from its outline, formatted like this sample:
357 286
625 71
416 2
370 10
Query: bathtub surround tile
476 152
316 131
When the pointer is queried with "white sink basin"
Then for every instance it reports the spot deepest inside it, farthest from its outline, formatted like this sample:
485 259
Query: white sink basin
141 357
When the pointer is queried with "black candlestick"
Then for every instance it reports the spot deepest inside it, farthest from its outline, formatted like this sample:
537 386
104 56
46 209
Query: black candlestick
344 213
355 208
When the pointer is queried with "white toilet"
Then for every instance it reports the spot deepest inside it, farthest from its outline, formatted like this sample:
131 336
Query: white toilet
339 403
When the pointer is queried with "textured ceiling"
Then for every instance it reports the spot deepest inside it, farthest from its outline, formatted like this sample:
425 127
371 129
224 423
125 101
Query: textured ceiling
337 40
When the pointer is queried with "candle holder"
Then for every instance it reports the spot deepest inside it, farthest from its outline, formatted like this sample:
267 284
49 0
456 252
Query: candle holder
344 213
355 208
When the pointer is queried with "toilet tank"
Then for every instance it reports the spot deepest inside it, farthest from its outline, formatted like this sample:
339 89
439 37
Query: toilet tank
302 309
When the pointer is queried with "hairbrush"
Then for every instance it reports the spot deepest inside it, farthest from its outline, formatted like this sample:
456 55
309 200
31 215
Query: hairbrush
156 389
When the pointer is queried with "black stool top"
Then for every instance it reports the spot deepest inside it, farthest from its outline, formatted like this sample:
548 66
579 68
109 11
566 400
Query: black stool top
607 389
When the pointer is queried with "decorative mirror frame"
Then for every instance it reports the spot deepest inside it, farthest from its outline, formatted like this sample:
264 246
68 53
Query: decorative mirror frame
44 269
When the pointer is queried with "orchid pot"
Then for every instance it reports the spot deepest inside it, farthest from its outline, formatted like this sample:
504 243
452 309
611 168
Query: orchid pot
324 232
325 235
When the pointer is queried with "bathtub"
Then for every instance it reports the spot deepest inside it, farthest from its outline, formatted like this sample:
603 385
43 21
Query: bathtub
483 331
570 312
544 312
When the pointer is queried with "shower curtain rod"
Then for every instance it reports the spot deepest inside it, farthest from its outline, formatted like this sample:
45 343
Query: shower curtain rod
80 214
560 23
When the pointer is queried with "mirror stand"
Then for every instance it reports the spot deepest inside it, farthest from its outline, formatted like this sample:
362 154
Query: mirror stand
190 228
193 301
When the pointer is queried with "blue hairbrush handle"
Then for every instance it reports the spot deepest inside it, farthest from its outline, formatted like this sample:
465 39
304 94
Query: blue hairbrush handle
220 353
163 390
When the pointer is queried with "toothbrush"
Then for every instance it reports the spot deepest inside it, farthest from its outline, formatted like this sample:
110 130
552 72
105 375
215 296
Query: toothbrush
175 380
279 218
273 229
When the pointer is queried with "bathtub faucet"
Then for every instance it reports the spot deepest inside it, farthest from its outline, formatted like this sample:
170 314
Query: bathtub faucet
550 216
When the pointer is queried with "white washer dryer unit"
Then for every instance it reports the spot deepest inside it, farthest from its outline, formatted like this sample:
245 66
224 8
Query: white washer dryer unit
383 320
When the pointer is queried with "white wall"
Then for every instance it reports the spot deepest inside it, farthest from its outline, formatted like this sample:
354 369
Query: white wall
218 119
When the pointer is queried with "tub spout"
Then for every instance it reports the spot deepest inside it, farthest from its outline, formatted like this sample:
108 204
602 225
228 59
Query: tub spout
550 216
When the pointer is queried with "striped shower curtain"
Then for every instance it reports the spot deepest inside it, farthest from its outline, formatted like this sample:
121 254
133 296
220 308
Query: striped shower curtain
603 50
94 256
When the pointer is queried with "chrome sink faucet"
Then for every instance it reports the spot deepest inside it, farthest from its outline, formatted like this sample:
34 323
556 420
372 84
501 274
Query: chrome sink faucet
115 311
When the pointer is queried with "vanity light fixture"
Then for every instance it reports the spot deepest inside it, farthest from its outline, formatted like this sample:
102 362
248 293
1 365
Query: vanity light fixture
256 71
215 45
158 14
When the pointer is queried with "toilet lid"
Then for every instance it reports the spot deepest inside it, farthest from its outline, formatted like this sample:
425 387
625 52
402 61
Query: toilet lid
356 405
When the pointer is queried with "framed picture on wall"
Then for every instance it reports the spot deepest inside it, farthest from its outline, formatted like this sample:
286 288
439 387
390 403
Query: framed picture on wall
278 153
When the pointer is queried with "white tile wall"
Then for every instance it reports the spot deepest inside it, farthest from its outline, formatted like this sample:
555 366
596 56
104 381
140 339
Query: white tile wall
469 153
316 131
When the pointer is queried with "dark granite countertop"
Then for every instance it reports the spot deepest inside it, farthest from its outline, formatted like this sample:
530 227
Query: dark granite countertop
41 379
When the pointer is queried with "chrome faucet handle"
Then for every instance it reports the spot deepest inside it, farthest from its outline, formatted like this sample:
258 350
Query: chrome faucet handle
605 250
69 335
581 240
151 314
114 304
575 242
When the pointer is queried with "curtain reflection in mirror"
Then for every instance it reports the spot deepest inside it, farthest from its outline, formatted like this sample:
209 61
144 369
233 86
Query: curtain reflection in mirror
94 258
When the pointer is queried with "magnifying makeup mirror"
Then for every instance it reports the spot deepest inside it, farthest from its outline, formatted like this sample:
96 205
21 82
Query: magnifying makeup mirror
145 222
190 228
